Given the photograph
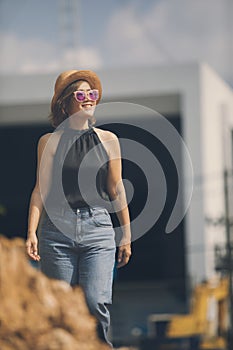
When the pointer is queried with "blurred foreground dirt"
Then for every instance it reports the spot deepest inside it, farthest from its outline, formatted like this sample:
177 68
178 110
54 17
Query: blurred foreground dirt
38 313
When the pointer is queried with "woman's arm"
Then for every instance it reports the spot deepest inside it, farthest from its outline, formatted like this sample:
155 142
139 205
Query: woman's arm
117 193
36 204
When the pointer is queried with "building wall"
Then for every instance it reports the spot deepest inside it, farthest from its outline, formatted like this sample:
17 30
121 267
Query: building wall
216 127
196 93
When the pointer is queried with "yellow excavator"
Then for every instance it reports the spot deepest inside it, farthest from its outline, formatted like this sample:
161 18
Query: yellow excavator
205 327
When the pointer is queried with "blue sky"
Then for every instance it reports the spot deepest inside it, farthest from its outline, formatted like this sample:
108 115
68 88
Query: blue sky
45 36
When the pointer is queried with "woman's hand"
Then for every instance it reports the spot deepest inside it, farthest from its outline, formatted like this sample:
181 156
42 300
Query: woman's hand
32 247
124 253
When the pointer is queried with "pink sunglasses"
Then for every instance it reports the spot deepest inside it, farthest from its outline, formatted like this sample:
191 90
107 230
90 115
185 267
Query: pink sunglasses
81 95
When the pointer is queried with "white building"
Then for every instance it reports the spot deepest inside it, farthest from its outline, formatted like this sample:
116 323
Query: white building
204 103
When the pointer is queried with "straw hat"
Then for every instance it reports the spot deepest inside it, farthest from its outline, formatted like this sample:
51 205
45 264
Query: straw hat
70 76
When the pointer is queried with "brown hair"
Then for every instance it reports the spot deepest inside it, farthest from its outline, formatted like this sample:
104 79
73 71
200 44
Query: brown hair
61 108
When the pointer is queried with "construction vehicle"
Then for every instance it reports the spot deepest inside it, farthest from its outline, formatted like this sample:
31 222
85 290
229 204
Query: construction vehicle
205 327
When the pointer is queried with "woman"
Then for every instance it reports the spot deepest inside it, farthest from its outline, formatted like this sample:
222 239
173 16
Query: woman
76 240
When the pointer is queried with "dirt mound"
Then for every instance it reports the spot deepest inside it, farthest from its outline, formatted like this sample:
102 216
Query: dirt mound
39 313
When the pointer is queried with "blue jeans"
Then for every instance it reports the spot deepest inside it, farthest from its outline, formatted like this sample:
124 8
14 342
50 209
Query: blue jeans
87 259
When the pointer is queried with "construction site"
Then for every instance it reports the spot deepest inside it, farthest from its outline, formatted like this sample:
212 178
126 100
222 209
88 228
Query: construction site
176 293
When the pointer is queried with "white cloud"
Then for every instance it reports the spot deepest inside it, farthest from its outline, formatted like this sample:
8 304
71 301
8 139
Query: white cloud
170 31
136 33
126 40
83 58
192 30
40 56
26 56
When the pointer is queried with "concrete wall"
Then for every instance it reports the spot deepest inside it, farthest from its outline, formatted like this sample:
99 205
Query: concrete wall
216 138
205 104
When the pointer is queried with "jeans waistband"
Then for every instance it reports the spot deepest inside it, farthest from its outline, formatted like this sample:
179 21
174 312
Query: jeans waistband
82 210
88 209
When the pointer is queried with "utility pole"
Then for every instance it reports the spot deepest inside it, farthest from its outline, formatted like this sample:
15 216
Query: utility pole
69 16
229 257
229 38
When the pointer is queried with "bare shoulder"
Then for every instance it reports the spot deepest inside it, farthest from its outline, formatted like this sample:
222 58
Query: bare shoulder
110 141
106 135
52 137
44 138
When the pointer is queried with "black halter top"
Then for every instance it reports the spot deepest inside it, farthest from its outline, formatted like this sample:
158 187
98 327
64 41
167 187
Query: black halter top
82 161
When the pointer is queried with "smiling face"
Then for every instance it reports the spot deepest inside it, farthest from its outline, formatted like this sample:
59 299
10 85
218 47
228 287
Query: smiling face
86 107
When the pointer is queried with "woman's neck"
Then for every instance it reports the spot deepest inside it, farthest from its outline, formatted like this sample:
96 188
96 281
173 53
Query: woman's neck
78 124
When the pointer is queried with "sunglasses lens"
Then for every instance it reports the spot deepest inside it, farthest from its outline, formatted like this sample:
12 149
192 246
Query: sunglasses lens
93 95
80 96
